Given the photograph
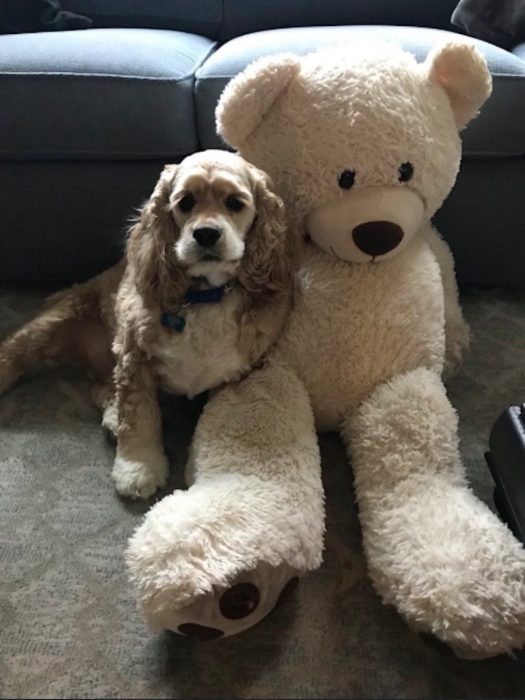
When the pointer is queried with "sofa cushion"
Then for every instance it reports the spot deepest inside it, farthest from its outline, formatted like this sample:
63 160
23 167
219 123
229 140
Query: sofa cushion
99 93
494 133
195 16
243 16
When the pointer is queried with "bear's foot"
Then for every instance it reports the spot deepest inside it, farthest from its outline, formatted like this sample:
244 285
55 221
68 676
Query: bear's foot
214 560
250 597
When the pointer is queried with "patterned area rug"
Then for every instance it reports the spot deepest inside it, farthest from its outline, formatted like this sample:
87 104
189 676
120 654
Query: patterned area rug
68 622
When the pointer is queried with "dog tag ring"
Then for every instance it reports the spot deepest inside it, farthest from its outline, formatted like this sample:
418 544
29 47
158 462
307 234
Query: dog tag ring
173 322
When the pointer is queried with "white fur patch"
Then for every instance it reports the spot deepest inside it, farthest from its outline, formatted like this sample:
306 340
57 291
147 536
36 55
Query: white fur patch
142 474
204 355
110 419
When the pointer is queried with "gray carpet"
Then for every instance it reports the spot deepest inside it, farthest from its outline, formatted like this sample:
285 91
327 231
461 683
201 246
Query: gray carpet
68 622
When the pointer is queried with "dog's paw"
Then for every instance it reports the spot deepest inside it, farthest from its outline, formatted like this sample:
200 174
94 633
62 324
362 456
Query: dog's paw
141 475
110 420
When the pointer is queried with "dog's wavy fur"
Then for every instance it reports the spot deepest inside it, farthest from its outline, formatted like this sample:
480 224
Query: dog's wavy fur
111 323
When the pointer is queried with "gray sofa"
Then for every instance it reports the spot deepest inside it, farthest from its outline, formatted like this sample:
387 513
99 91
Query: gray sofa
88 118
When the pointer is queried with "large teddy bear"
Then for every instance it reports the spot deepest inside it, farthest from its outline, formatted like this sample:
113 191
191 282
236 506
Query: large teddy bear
363 144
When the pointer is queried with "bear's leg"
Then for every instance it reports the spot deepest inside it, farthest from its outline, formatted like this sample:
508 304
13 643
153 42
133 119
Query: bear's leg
214 559
434 550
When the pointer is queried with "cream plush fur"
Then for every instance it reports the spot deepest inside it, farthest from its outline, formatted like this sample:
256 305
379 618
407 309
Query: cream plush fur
363 353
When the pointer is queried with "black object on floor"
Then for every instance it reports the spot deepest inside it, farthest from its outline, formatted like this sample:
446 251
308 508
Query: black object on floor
506 460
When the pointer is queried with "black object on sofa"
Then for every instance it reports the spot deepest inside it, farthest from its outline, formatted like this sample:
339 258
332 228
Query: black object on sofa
38 16
89 117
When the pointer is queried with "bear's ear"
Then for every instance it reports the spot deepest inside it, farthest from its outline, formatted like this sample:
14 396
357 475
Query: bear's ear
463 74
250 95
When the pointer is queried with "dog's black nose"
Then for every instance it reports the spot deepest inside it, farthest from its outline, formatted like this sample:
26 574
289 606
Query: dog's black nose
206 236
377 237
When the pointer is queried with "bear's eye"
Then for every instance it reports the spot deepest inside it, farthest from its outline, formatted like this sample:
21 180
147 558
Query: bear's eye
187 203
346 179
405 172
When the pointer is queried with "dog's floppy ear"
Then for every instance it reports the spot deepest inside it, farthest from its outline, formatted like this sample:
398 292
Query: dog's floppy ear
157 274
250 95
270 256
462 72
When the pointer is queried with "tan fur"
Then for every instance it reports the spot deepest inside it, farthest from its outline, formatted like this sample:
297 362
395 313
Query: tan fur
111 323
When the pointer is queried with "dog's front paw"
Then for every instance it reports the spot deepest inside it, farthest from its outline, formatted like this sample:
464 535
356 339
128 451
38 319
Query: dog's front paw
141 474
110 420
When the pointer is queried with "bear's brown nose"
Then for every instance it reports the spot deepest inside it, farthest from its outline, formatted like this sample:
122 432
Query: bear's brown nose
377 237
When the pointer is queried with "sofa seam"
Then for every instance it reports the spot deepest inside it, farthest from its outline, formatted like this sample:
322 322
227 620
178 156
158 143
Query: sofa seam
186 76
82 156
503 76
146 155
97 76
107 76
196 112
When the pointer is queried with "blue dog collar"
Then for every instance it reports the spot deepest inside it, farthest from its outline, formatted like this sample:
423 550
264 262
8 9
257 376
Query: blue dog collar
205 296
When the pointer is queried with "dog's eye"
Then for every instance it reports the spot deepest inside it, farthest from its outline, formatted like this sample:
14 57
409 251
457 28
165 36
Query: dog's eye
234 203
187 203
346 179
405 172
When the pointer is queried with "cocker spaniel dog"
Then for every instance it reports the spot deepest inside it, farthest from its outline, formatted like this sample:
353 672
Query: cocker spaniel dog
201 294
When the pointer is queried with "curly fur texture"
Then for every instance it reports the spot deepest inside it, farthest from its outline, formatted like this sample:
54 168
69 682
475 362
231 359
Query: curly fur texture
112 323
157 274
